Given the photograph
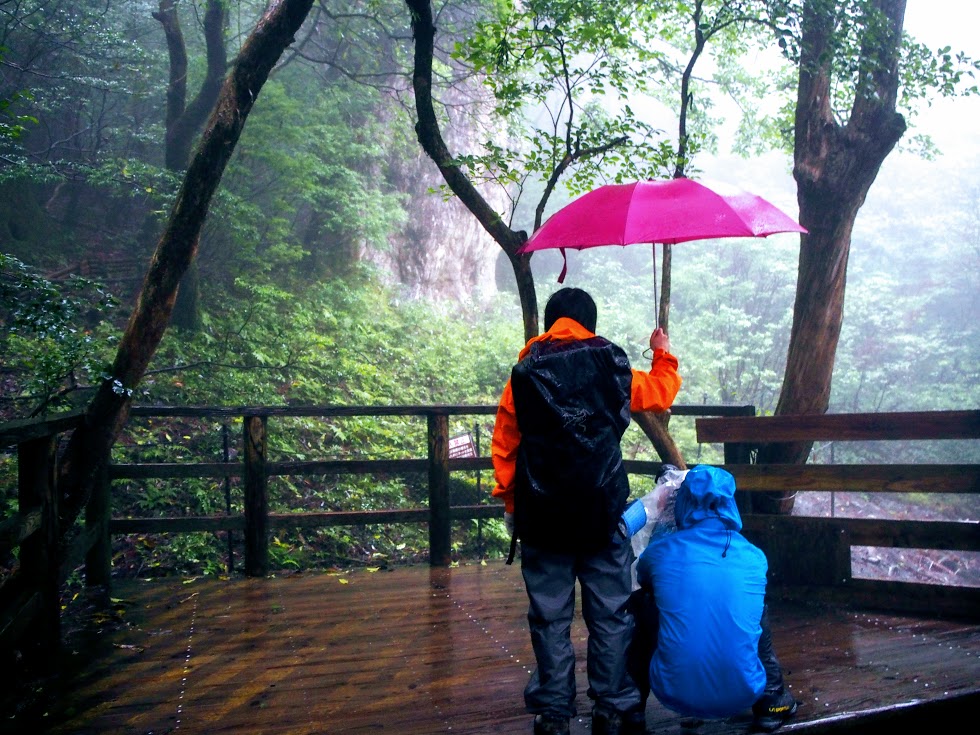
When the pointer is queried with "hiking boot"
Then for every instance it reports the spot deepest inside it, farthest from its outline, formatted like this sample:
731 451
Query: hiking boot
613 723
772 710
550 725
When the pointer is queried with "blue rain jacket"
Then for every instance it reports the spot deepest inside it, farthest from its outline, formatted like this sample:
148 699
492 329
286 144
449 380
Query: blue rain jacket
709 583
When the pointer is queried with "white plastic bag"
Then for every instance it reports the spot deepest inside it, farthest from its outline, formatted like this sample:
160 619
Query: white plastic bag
659 506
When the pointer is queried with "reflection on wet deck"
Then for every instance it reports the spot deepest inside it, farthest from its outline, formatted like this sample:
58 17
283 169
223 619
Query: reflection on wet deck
421 650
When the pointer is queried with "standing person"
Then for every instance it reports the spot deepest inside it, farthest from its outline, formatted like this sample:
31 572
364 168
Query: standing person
703 644
558 466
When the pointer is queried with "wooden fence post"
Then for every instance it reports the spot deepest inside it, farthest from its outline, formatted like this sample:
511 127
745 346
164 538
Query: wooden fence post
440 525
256 482
39 552
737 453
98 560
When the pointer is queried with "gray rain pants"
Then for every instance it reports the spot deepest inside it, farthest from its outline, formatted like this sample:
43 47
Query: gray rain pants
549 579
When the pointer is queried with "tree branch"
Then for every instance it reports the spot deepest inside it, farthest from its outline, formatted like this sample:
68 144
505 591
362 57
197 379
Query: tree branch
430 138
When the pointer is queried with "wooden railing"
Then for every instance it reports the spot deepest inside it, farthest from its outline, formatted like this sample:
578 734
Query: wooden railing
256 522
110 269
255 469
29 597
810 558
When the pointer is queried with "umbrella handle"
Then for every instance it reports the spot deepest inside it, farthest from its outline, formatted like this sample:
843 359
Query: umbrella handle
656 301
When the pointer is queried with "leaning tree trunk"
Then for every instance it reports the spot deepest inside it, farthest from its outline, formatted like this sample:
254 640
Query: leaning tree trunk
834 167
88 449
525 291
654 425
430 138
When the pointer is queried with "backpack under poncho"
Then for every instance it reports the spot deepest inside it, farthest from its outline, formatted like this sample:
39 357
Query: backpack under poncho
572 400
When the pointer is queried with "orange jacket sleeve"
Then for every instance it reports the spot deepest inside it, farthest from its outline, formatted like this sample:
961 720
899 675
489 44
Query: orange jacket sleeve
657 389
503 448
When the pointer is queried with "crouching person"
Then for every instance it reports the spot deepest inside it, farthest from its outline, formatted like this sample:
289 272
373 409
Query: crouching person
703 645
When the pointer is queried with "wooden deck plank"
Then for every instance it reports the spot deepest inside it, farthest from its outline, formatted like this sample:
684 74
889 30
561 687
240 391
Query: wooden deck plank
420 650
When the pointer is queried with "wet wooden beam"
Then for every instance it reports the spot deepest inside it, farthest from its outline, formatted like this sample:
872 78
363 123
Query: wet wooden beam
314 411
896 478
440 528
39 555
841 427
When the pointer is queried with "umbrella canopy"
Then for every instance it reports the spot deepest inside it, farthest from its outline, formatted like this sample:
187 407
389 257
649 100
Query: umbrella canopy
669 212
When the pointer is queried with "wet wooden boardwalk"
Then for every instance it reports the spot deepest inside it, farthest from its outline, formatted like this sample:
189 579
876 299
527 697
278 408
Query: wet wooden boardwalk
421 650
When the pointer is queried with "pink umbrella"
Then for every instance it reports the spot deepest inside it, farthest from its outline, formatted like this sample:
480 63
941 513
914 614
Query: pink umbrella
668 212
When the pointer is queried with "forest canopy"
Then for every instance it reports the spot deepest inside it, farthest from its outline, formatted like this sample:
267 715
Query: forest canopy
328 181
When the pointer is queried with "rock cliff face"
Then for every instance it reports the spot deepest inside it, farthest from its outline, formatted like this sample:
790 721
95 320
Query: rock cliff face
442 253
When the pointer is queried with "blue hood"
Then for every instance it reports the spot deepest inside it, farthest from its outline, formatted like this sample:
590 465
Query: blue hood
707 492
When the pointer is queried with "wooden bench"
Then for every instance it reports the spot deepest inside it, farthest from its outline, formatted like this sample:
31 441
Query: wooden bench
810 558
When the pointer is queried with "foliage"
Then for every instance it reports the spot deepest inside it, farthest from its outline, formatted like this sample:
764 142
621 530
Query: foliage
50 333
306 194
923 72
320 188
912 335
11 123
347 343
734 310
563 63
84 74
709 51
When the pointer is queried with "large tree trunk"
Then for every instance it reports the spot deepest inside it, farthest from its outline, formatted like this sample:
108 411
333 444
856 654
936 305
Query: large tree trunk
184 120
834 167
88 449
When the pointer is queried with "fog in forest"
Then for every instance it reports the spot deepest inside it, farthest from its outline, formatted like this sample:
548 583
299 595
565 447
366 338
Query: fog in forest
334 270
